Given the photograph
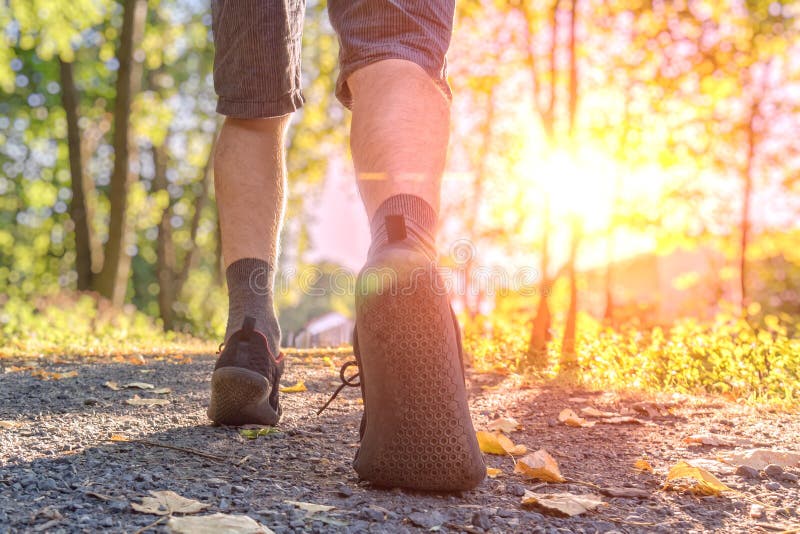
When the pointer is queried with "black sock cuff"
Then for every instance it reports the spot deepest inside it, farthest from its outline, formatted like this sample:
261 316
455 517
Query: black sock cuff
412 207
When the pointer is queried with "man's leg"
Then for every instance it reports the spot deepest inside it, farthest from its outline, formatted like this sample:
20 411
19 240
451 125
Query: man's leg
417 431
249 179
257 79
399 133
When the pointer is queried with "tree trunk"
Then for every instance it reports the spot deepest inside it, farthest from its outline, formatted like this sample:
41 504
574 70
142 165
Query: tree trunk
78 209
165 247
568 360
112 281
747 194
540 331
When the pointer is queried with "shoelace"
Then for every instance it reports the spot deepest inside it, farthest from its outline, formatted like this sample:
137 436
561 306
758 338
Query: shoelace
346 381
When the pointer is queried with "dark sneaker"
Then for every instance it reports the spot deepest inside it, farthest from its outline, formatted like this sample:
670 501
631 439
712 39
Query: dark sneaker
417 432
244 386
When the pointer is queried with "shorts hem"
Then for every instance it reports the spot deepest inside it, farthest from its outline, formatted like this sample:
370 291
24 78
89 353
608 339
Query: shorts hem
438 75
255 109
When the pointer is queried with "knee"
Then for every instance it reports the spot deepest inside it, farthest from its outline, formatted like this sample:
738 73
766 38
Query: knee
271 126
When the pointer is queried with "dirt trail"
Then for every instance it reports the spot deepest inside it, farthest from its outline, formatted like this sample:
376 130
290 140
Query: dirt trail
59 472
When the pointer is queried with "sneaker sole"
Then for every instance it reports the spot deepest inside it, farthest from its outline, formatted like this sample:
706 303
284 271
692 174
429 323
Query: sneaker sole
240 397
418 431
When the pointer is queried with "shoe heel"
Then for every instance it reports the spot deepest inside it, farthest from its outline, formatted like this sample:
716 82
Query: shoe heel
240 396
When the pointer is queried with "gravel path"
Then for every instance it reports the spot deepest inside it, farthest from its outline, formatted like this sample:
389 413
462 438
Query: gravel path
60 473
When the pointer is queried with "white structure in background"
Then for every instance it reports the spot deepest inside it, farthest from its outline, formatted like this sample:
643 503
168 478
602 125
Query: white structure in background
330 330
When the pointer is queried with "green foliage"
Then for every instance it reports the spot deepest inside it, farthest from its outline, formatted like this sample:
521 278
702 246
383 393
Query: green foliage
728 356
68 324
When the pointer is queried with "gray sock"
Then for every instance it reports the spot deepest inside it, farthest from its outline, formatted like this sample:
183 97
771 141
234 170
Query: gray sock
419 218
250 288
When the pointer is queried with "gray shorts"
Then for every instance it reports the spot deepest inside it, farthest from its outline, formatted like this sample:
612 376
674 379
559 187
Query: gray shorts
257 42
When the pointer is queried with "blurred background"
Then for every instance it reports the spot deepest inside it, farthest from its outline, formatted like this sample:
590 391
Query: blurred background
623 179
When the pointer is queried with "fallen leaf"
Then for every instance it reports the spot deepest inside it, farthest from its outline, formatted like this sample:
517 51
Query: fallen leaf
50 375
161 391
112 385
652 409
138 385
579 400
504 424
311 507
8 425
253 433
626 493
118 437
493 472
168 503
590 411
624 419
300 386
717 440
539 465
761 458
497 443
643 465
704 482
562 504
713 466
213 524
139 401
570 418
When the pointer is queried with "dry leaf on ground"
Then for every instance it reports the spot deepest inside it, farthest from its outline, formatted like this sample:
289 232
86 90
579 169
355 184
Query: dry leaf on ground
118 437
161 391
570 418
504 424
253 433
703 482
563 504
624 419
168 503
112 385
579 400
643 465
8 425
216 523
139 401
717 440
497 443
761 458
299 387
50 375
493 472
627 493
138 385
652 409
590 411
311 507
539 465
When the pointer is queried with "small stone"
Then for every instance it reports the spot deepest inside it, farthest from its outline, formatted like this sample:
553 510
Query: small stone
371 514
756 511
745 471
215 482
481 520
426 520
107 522
774 471
224 505
789 477
297 523
518 490
343 490
239 489
91 401
772 486
118 506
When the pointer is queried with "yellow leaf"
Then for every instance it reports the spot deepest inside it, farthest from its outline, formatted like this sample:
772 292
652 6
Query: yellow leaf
300 386
118 437
215 523
562 504
497 443
253 433
504 424
168 503
492 472
643 465
139 401
539 465
705 482
570 418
